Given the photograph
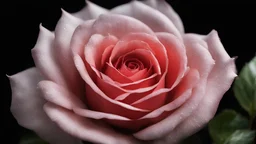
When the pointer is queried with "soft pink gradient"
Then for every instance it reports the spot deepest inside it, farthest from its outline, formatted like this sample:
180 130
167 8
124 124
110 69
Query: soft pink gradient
131 67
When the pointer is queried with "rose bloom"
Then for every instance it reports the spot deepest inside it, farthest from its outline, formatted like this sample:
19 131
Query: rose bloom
122 76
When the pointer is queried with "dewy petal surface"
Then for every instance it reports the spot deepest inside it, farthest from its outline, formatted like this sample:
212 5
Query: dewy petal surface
62 52
200 59
27 108
119 25
157 21
44 60
219 81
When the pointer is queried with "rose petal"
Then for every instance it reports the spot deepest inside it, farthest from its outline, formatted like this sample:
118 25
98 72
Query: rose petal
95 48
98 115
62 54
132 85
177 59
119 25
90 11
167 10
115 74
27 108
105 55
99 101
118 93
200 59
157 21
45 62
81 37
179 95
58 95
219 81
84 128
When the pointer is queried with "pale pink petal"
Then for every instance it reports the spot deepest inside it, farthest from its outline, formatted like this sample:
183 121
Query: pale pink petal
200 59
111 24
157 21
44 60
119 25
27 108
167 10
58 95
177 59
81 37
219 81
196 38
84 128
90 11
62 52
101 102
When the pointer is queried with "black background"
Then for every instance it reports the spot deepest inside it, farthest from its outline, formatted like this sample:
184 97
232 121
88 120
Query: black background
234 21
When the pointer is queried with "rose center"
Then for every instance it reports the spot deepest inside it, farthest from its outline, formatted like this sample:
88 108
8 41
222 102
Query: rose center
133 64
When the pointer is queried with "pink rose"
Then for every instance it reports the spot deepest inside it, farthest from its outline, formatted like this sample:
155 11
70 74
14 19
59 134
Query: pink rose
130 68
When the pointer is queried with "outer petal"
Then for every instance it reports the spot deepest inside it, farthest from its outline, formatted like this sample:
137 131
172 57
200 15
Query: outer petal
62 52
45 62
119 25
84 128
219 81
90 11
167 10
58 95
157 21
81 37
27 108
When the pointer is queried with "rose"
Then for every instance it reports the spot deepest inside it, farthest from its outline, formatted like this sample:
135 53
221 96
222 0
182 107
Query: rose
138 72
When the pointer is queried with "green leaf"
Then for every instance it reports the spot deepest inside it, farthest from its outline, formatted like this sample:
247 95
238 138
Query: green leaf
241 137
222 126
31 138
245 88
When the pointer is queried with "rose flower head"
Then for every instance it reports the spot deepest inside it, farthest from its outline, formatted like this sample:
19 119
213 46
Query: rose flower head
129 75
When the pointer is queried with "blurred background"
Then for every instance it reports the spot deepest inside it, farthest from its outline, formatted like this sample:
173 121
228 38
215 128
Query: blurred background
234 21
